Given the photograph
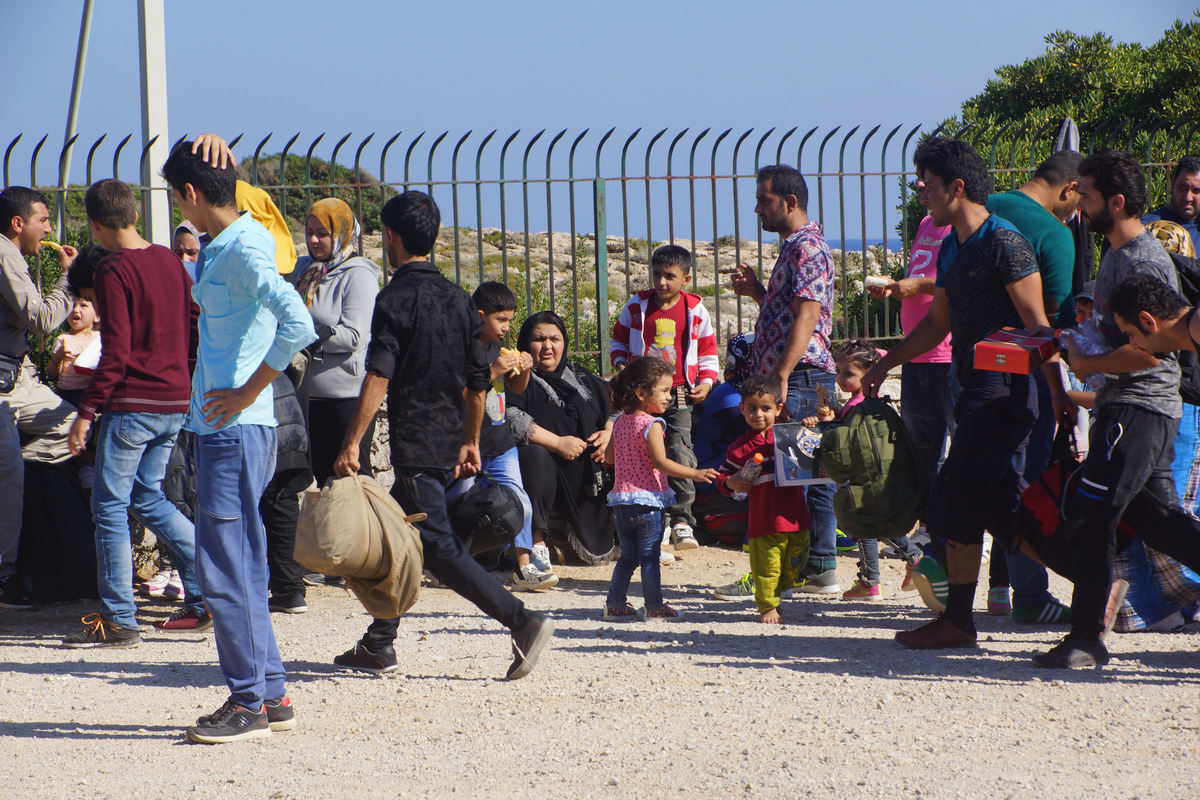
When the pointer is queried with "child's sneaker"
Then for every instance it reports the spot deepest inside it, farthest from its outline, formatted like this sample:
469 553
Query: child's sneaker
907 584
174 588
662 612
814 583
99 631
186 619
932 582
665 558
154 587
998 601
683 537
540 557
741 589
529 578
862 590
626 613
845 544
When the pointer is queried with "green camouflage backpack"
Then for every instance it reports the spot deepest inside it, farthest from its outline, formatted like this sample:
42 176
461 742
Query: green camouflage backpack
870 455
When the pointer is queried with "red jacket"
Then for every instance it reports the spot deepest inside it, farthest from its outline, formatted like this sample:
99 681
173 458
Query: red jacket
772 509
700 361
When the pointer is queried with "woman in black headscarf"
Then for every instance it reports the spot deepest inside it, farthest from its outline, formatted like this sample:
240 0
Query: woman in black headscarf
562 424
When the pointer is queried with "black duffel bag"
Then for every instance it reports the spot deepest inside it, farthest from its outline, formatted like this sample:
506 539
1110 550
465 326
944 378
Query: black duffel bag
487 516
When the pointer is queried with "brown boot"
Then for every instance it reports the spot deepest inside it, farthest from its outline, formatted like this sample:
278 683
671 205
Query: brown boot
935 635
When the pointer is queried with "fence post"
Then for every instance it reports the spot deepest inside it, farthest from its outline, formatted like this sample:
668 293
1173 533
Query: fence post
599 203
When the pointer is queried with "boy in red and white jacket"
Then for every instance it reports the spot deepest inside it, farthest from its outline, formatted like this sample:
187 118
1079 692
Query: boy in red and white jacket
670 322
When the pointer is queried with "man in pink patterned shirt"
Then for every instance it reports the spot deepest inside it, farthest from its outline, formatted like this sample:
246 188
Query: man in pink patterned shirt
791 337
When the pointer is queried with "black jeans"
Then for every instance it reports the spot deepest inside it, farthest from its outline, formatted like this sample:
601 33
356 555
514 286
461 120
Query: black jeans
446 557
1126 478
328 421
280 510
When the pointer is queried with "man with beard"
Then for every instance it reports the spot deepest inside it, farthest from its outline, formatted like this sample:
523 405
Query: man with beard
791 336
1137 412
1184 205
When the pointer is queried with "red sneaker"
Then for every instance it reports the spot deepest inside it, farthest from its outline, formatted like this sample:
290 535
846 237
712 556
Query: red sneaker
186 619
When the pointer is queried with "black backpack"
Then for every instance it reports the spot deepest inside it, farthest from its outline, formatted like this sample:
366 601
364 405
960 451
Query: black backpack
1188 270
487 516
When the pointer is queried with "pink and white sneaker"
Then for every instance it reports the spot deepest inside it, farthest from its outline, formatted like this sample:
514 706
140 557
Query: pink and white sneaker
154 587
174 588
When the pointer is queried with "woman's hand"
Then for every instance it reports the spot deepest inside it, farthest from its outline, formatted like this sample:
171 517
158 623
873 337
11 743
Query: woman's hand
569 447
599 440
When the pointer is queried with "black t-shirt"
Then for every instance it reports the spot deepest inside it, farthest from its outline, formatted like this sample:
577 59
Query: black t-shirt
495 434
424 338
976 275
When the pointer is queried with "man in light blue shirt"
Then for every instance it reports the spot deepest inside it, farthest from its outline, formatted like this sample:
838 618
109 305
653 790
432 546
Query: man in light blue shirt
251 325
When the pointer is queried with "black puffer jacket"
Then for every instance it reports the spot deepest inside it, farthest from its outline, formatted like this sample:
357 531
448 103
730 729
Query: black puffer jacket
293 436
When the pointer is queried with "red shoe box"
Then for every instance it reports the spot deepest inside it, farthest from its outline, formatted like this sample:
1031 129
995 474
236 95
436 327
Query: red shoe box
1009 350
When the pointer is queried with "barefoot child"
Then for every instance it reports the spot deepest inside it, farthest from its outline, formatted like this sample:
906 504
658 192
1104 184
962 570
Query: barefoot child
640 492
777 524
853 360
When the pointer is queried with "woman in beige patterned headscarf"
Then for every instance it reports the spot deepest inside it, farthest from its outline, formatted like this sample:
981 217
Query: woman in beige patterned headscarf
339 288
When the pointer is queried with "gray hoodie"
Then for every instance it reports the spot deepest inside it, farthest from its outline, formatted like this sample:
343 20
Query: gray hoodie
345 300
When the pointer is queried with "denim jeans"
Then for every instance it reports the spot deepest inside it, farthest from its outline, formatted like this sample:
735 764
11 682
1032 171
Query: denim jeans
639 532
802 402
506 469
927 409
132 449
445 555
233 467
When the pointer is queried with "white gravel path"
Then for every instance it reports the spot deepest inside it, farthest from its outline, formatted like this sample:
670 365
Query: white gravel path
715 706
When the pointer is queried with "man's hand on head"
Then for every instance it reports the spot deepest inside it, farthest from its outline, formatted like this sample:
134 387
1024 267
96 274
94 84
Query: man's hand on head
213 150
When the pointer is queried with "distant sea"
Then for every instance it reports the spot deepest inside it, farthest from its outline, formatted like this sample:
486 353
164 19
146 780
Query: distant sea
857 244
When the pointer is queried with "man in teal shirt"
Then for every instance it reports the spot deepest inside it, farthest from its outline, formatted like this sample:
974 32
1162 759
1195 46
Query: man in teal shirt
251 324
1038 210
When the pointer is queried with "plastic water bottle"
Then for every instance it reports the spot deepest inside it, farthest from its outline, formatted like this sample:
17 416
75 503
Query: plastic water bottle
749 472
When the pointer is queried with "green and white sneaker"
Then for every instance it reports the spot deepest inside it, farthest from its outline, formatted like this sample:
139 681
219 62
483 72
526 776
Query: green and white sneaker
1049 613
932 582
741 589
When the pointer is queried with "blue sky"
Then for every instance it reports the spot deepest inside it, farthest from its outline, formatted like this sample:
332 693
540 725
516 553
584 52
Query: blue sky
378 65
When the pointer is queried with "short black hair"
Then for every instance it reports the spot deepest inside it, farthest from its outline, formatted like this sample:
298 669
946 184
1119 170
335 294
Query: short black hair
82 272
1188 165
1117 172
1060 168
672 255
110 203
763 384
785 180
1146 293
217 184
18 201
414 217
493 296
954 159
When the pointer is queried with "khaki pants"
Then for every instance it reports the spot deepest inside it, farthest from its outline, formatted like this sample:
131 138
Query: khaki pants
34 423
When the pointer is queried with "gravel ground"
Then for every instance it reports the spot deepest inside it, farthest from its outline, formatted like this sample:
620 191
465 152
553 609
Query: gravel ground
716 705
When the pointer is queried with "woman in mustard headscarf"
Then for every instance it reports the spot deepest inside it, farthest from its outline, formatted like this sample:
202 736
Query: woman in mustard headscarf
339 288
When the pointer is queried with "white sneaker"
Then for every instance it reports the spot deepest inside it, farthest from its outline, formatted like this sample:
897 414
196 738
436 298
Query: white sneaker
665 558
531 579
683 537
540 556
154 587
921 537
174 588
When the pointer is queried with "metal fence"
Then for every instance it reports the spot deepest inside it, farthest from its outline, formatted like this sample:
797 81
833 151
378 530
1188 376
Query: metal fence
624 195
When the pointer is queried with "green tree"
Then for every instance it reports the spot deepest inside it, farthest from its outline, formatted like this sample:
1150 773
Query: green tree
1140 99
